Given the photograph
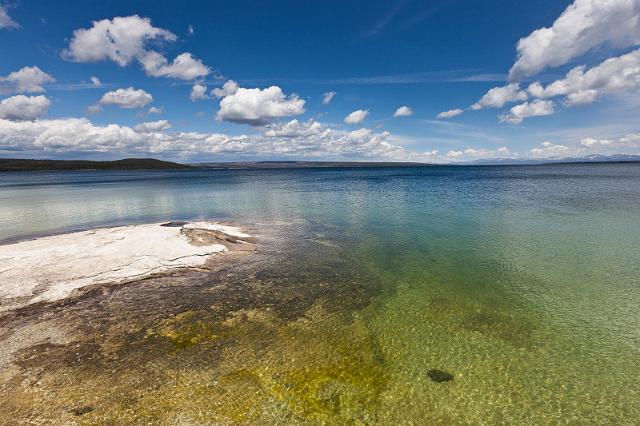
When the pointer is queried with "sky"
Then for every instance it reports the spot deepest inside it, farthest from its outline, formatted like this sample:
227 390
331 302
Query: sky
431 81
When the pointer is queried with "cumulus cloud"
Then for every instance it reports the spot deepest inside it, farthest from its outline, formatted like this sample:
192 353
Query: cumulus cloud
183 67
20 107
499 96
5 19
583 26
631 140
295 128
121 40
152 126
129 98
96 81
155 110
125 39
474 153
536 108
582 86
25 80
229 88
549 149
303 139
403 111
258 107
311 136
450 114
356 117
328 97
198 91
94 109
629 143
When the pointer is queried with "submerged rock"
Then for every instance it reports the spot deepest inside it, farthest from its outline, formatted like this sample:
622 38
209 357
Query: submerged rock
440 376
79 411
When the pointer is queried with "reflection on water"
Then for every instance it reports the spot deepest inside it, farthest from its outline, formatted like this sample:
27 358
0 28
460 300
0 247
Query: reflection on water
520 282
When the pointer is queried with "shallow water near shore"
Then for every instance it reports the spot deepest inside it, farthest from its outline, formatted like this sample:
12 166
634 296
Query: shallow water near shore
521 282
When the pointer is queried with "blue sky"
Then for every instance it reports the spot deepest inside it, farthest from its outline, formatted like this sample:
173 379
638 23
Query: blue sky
284 56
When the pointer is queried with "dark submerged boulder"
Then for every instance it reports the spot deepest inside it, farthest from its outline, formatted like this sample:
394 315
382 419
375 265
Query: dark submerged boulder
439 376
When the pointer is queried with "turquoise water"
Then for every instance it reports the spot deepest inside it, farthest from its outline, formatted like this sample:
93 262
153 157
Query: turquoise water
522 282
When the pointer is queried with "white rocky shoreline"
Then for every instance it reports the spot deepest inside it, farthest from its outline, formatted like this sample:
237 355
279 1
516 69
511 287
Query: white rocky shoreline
51 268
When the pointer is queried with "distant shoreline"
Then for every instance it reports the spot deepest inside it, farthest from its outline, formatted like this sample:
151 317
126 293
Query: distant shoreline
31 165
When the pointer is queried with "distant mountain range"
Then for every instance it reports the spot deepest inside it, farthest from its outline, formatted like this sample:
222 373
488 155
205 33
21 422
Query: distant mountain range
303 164
16 164
594 158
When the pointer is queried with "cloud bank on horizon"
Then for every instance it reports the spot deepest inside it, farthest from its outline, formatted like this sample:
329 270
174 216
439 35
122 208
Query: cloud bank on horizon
586 57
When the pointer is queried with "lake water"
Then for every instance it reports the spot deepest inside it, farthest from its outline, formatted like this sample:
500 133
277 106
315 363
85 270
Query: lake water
522 282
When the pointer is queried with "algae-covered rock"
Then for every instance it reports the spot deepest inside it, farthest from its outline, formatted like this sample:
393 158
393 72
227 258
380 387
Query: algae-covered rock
439 376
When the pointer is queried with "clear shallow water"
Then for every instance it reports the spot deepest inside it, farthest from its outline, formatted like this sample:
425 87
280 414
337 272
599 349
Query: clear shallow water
520 281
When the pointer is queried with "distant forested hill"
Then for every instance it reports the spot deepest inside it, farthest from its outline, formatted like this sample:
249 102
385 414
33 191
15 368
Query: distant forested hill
14 165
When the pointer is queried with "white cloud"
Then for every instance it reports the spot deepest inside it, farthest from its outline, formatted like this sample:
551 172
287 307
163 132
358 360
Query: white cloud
403 111
627 144
183 67
583 26
309 140
356 117
155 110
582 97
536 108
631 140
481 153
152 126
499 96
5 19
25 80
94 109
328 97
96 81
581 86
198 91
125 39
121 39
550 150
295 128
450 114
22 107
190 30
129 98
227 89
295 139
258 107
536 90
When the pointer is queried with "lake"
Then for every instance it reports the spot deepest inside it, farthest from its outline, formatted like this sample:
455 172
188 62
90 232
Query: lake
522 282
